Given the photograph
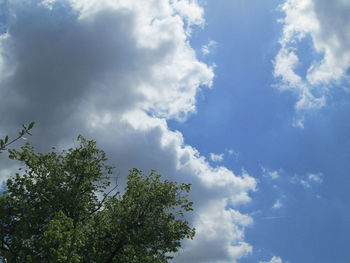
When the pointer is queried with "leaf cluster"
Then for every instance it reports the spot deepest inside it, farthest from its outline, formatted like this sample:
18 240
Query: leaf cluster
58 209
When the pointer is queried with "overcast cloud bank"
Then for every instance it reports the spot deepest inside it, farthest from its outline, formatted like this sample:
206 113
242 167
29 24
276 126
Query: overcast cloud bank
116 71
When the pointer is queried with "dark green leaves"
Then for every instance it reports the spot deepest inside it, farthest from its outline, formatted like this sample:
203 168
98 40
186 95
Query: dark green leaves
30 126
61 208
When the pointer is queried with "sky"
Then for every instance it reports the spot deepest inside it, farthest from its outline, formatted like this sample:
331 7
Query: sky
246 100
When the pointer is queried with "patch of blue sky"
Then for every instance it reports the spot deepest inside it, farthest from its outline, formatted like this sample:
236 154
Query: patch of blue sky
306 229
307 56
319 228
245 113
242 111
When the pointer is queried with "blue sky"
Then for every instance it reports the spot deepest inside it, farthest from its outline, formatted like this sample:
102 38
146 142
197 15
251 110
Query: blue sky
245 113
247 100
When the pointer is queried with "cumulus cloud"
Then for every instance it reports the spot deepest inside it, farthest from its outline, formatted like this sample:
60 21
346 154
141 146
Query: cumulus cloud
116 71
190 11
218 235
325 24
274 259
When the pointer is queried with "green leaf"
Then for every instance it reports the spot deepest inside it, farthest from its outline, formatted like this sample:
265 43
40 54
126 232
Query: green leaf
30 126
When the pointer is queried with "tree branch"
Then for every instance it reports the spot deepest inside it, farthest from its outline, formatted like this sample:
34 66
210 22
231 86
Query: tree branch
4 144
103 200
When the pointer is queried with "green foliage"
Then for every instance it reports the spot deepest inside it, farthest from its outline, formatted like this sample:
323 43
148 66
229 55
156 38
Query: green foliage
4 143
58 210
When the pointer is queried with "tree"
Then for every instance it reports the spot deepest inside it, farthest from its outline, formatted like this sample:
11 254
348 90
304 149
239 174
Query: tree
59 210
4 143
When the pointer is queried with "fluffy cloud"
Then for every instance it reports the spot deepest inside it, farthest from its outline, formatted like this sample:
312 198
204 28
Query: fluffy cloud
116 71
324 23
221 232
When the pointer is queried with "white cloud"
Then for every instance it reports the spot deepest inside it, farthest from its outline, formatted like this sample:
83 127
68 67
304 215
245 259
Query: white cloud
298 123
207 49
48 3
270 173
274 259
307 180
231 151
277 205
317 178
217 157
222 231
325 23
304 183
190 11
285 64
116 71
274 174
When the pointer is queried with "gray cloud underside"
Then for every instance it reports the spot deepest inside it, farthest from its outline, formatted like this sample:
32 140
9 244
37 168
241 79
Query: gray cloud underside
116 72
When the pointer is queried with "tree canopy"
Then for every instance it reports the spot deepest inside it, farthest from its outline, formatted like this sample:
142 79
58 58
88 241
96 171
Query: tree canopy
61 207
